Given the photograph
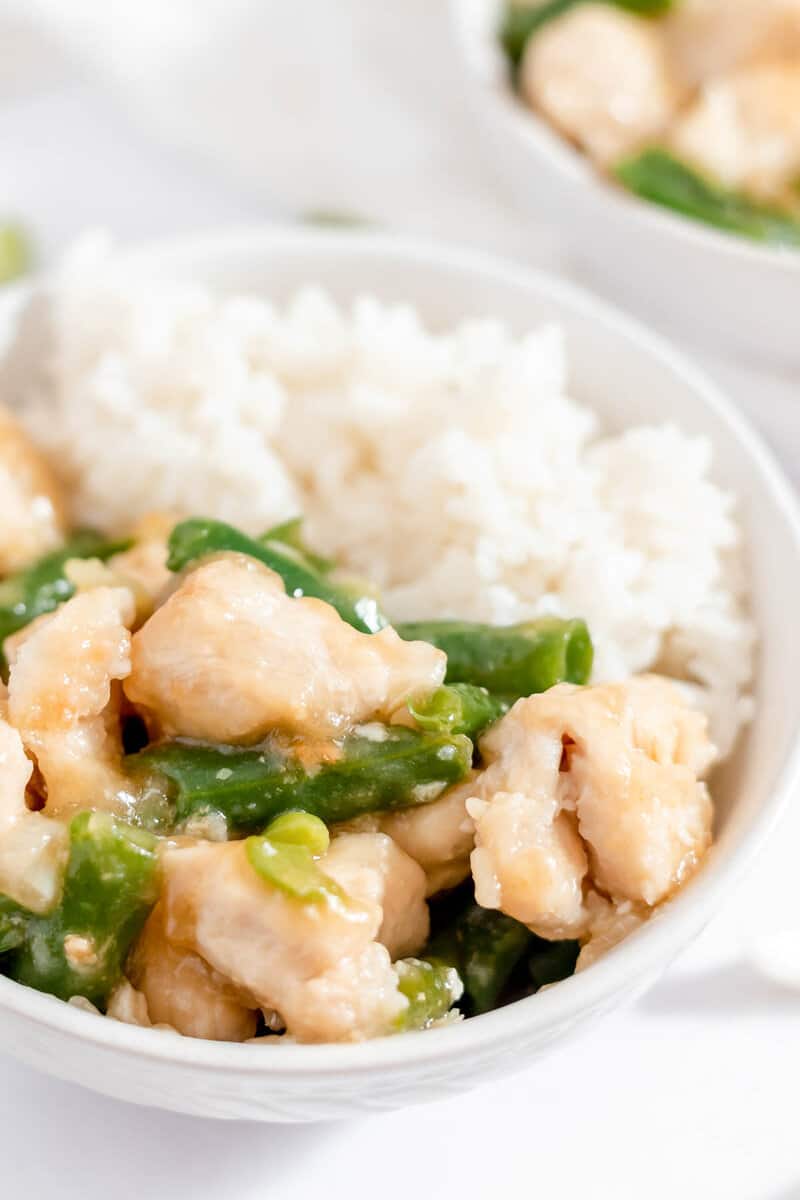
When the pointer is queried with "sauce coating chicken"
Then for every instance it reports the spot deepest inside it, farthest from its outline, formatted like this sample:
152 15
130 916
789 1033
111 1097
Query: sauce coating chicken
33 848
439 836
603 77
277 662
183 991
744 129
375 869
145 563
62 699
31 502
590 787
708 38
318 965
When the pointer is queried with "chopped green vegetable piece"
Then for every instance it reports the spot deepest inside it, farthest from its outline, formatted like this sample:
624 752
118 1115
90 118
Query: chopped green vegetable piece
550 962
300 829
292 869
510 660
13 924
431 988
459 708
658 176
389 769
109 887
42 587
194 539
290 533
521 21
485 946
15 253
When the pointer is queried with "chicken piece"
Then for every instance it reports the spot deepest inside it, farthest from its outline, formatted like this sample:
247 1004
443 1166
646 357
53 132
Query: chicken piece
708 38
128 1005
603 78
33 848
179 989
608 925
439 836
319 966
372 868
34 518
230 656
744 129
145 564
62 700
590 786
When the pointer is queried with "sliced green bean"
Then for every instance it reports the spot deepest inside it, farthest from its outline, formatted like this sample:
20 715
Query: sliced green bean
43 586
194 539
109 887
459 708
431 988
485 946
388 768
510 660
290 533
657 176
285 856
550 962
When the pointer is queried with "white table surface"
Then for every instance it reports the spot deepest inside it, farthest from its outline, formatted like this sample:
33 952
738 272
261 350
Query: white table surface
692 1092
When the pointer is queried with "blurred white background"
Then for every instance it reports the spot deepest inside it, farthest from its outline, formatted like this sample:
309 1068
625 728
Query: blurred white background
151 118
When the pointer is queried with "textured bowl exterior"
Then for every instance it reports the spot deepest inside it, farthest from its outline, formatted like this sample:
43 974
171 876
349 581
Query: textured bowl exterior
628 376
719 287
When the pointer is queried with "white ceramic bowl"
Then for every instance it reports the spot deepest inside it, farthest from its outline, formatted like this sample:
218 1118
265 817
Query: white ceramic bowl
717 286
628 376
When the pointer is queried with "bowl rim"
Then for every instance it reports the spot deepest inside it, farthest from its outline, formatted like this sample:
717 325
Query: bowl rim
640 955
538 138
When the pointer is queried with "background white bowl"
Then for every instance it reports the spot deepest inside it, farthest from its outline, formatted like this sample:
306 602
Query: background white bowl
718 286
628 376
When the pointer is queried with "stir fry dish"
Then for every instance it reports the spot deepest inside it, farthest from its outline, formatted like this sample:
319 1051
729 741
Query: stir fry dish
237 802
693 105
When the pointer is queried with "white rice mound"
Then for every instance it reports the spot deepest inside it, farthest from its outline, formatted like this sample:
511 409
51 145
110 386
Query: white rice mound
452 469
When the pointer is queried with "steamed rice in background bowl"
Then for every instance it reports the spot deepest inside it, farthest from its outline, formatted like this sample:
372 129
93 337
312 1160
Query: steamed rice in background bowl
452 468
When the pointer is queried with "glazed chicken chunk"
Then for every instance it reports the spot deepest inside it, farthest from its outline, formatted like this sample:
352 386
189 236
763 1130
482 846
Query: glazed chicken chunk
439 836
585 788
320 967
603 78
33 848
31 503
181 990
62 697
708 38
744 129
277 662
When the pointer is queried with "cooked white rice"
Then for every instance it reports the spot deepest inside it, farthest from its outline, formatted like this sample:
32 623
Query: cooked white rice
453 469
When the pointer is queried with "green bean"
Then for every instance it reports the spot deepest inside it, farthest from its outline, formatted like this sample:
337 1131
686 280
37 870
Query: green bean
41 587
431 988
485 947
459 708
520 22
657 176
290 533
389 768
285 856
109 887
550 962
509 660
194 539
